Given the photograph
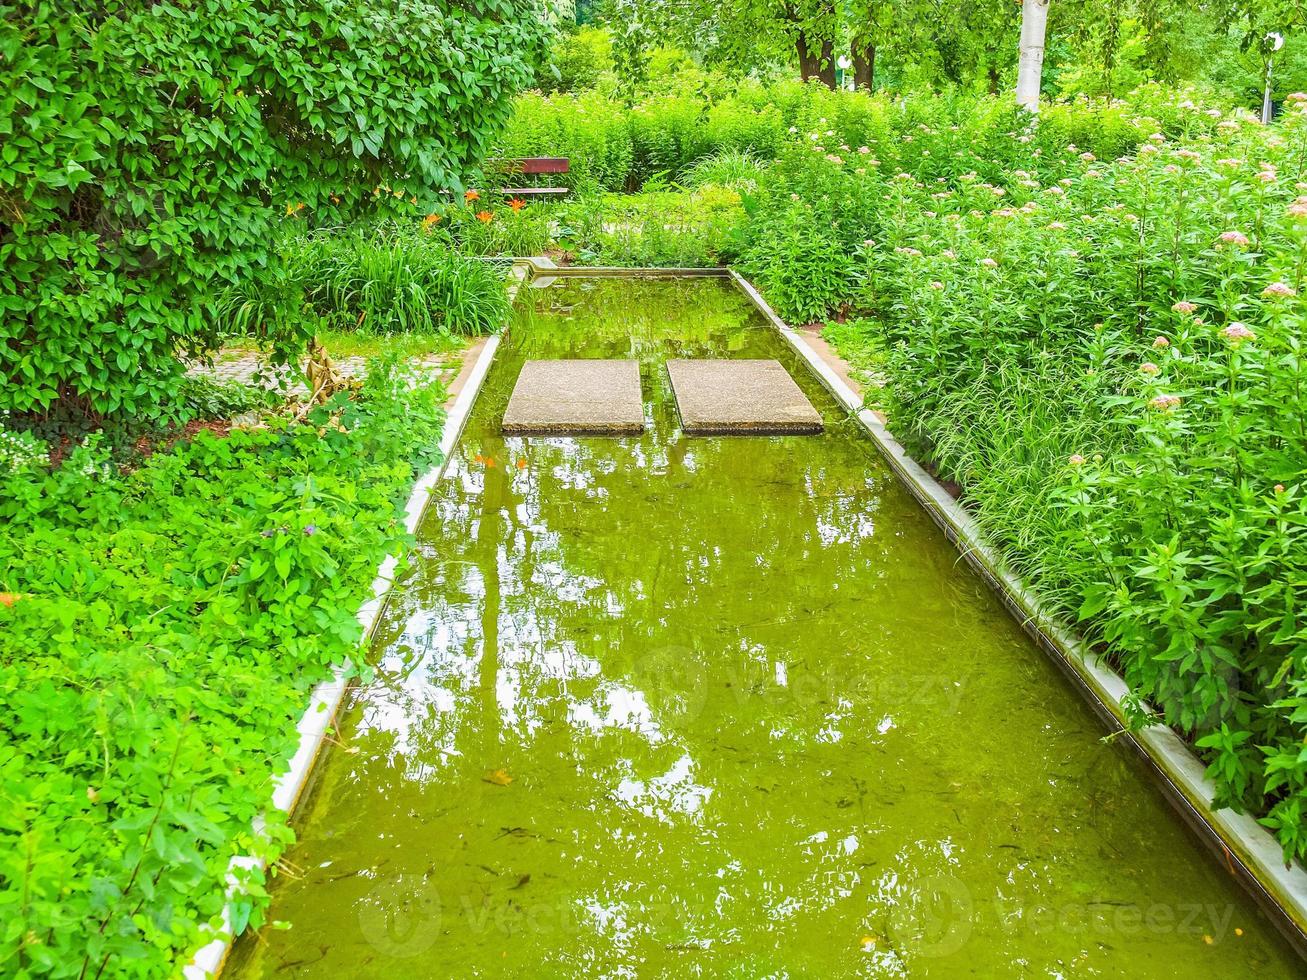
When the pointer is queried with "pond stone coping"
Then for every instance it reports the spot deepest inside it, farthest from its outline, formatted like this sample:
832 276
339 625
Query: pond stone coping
576 397
740 397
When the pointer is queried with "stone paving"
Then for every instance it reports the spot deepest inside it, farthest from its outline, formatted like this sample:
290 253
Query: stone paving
740 397
245 367
576 397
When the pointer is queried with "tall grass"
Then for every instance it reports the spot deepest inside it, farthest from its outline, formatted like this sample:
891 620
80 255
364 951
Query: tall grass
385 280
738 170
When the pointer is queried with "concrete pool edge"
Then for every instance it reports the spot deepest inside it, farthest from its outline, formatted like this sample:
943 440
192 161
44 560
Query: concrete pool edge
326 698
1247 848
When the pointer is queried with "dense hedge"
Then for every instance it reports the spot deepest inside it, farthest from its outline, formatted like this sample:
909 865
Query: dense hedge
146 150
160 630
615 147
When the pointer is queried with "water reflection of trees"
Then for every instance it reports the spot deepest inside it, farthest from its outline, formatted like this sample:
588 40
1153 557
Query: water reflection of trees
629 582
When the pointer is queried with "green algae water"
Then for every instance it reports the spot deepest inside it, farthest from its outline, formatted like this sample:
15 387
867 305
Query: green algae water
721 706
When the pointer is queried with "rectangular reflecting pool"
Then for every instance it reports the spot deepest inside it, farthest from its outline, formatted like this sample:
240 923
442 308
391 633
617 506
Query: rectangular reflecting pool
663 705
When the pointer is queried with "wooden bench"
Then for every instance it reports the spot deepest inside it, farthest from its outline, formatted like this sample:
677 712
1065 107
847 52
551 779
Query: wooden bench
533 166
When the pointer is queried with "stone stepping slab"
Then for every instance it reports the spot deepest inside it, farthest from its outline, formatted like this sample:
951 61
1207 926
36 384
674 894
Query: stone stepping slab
576 397
740 397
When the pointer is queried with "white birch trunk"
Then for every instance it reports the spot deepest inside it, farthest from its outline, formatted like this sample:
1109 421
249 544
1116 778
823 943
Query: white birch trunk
1034 19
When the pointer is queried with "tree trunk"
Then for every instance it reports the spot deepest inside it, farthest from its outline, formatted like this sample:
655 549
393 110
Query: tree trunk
816 64
1034 20
864 65
826 71
993 79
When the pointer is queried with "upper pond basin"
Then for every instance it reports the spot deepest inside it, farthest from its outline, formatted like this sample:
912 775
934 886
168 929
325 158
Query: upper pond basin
721 706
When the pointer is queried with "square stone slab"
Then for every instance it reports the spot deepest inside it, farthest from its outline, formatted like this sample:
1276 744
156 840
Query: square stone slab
585 397
740 398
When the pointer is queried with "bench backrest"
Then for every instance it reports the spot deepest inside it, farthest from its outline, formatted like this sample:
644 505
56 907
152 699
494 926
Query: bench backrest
535 165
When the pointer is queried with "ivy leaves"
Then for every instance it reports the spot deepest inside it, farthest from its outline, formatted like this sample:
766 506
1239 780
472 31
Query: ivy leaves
147 154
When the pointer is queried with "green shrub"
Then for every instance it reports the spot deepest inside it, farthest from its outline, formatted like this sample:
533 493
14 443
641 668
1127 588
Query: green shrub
172 620
731 126
1110 364
576 60
394 280
589 129
502 226
667 132
735 169
805 269
698 229
149 150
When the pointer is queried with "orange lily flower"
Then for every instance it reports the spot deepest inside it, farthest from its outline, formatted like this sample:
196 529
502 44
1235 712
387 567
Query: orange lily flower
485 217
516 203
430 220
471 196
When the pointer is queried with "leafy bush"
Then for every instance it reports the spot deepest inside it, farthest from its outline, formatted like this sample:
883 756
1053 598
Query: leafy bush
738 170
576 60
1107 356
394 280
731 126
495 225
929 135
589 129
805 268
701 228
171 621
149 148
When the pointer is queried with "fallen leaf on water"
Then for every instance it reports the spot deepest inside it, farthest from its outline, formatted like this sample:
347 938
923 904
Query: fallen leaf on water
499 777
522 881
868 943
490 461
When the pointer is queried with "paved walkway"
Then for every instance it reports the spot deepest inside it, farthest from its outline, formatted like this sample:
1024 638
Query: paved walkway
245 367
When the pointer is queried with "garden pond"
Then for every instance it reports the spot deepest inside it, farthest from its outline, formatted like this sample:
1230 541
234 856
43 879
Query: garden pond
721 706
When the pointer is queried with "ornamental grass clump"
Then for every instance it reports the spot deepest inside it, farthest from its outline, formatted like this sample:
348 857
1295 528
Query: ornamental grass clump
396 277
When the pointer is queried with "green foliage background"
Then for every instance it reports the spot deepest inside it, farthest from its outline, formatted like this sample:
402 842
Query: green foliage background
148 149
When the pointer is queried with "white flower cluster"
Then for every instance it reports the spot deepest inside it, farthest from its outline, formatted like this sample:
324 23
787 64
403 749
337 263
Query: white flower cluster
19 450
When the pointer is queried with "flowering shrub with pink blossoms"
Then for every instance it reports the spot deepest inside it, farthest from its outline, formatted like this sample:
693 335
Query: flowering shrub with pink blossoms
1106 354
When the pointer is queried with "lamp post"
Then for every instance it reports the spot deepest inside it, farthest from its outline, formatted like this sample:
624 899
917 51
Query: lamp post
1272 43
